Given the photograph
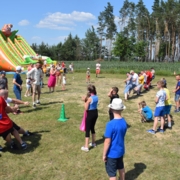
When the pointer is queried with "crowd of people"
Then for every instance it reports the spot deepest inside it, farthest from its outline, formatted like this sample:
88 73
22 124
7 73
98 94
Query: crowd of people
115 131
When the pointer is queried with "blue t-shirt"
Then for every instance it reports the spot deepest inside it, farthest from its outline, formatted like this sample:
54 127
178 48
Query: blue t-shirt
178 85
148 112
94 102
18 79
161 94
116 131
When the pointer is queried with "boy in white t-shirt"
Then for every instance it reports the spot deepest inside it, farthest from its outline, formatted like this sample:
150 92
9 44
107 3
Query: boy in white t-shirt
160 108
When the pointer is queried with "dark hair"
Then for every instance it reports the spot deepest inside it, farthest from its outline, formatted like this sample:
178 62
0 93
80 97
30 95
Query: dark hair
115 89
92 89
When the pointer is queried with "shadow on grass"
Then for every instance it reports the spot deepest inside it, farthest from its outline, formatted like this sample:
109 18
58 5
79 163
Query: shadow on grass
61 90
32 143
101 77
34 109
49 103
134 173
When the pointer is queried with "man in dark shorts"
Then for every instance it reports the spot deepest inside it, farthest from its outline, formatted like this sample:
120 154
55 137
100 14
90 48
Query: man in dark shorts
114 147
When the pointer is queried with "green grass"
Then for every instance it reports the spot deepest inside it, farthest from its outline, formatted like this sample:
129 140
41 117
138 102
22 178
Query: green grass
54 150
117 67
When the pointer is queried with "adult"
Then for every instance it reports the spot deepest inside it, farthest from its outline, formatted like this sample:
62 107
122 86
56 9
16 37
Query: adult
135 79
58 74
92 115
3 80
52 79
17 81
128 85
36 74
98 69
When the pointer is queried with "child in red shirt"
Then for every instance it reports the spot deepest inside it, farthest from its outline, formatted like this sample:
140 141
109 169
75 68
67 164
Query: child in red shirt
6 127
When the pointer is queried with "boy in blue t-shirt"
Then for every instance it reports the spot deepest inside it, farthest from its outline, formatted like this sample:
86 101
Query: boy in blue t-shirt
145 111
177 94
160 108
114 147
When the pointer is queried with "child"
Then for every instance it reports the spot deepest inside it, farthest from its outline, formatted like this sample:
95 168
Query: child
114 147
145 112
3 80
160 107
168 108
28 87
88 75
6 127
113 93
177 94
63 81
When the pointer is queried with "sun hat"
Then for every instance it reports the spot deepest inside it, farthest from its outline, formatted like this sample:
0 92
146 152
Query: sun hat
117 104
131 71
88 68
18 68
3 72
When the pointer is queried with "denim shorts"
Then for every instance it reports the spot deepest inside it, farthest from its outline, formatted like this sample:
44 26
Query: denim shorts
127 88
17 93
167 109
114 164
177 97
159 111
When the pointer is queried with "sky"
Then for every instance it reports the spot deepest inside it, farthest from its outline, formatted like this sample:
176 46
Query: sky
51 21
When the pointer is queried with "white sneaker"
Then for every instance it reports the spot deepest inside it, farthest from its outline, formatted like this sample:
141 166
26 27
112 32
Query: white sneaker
84 149
25 95
92 144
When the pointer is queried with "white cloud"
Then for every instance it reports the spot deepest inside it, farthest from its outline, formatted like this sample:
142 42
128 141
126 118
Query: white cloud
62 38
24 22
62 21
116 19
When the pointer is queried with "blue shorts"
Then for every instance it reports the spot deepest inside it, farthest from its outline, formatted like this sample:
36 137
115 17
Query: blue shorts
127 88
114 164
159 111
177 97
167 109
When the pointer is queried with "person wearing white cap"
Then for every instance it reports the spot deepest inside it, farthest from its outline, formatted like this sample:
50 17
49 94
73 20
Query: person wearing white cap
114 147
17 81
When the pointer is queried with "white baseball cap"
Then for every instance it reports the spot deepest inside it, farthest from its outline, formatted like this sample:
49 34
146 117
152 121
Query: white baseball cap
117 104
18 68
88 68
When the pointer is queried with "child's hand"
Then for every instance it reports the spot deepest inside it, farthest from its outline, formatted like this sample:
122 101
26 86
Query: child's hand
26 103
83 98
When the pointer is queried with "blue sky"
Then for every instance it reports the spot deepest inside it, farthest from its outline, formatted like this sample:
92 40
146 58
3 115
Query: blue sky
51 21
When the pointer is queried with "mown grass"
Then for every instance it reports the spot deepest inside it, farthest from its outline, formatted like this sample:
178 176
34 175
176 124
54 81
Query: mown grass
54 150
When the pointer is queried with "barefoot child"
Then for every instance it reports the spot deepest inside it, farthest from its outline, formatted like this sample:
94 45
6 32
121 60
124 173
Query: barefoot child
160 108
88 75
28 87
114 147
63 81
145 112
113 93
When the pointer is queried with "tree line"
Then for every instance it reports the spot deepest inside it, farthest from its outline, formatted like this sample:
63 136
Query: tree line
142 35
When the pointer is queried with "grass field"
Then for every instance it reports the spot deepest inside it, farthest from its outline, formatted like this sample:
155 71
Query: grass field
54 153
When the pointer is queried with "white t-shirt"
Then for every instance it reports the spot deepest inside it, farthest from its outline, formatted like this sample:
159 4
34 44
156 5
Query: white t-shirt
8 100
145 77
36 75
162 97
98 66
136 78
